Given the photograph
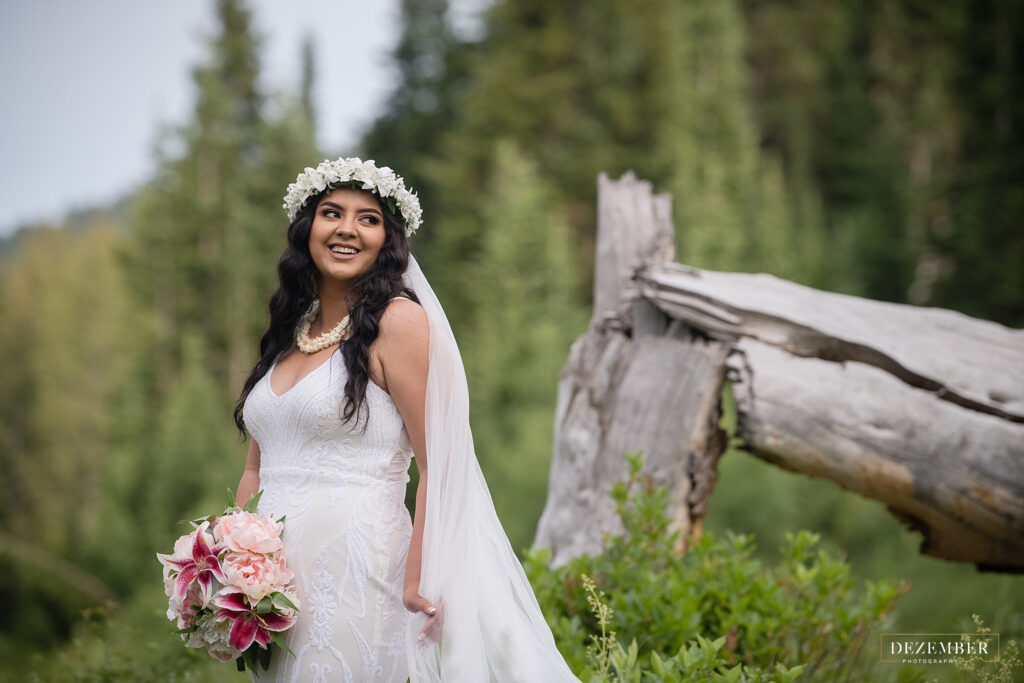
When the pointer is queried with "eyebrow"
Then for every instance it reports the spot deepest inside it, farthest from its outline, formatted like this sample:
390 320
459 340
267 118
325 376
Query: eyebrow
363 210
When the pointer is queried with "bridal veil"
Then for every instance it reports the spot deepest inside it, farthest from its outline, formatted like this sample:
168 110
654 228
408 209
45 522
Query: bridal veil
493 628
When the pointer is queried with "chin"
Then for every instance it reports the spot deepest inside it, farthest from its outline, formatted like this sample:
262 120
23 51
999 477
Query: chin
344 274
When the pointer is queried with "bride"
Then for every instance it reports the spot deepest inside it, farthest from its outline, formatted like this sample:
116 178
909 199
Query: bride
359 372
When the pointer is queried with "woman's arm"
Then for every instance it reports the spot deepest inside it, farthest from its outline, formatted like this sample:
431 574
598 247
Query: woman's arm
249 484
404 357
414 561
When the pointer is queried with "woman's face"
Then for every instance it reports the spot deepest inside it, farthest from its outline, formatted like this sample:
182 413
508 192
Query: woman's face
346 220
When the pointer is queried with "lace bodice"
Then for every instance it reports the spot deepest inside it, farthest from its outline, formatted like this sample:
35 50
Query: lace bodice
302 429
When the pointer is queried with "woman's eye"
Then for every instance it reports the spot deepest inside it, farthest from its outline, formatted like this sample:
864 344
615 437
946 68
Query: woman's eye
372 219
330 213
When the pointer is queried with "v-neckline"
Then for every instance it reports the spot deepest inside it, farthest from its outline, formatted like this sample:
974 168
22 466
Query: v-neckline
270 375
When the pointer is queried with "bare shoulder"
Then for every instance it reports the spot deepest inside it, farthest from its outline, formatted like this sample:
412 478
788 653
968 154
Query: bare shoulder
402 313
404 325
404 353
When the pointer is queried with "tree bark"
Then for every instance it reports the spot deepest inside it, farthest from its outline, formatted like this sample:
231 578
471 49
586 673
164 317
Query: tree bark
919 408
635 381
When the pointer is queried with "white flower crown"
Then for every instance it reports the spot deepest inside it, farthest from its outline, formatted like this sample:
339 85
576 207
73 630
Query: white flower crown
383 182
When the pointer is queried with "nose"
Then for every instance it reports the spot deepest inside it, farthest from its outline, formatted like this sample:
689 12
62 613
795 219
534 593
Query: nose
346 226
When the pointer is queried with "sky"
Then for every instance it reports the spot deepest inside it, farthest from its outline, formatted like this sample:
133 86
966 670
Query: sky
85 87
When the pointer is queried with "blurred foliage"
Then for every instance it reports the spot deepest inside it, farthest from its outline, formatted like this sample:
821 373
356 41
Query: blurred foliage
128 643
526 319
872 148
888 134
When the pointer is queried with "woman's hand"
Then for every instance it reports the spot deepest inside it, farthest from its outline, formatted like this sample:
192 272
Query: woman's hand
414 602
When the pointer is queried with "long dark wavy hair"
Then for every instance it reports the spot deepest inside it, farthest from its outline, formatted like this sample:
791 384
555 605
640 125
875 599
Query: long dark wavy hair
299 283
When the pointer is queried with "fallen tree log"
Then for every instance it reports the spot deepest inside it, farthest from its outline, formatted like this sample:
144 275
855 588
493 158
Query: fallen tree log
919 408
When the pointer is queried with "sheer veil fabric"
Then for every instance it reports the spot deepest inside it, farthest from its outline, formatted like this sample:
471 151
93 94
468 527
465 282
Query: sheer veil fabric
493 628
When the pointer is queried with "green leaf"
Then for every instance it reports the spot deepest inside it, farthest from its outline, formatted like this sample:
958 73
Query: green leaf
657 665
732 675
793 673
265 605
253 502
281 600
250 657
279 641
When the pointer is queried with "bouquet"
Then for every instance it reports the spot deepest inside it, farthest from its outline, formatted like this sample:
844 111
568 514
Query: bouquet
229 588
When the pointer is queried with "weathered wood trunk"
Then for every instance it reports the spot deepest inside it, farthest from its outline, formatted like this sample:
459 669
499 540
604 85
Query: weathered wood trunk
919 408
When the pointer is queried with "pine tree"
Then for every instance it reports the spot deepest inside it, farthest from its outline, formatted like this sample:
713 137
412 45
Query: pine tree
209 228
527 314
431 67
977 244
657 87
730 210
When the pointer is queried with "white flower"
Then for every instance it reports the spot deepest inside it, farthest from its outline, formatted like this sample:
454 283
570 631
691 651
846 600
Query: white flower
383 182
213 635
289 592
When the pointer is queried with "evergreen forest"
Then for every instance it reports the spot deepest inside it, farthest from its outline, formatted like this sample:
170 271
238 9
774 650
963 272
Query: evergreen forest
870 147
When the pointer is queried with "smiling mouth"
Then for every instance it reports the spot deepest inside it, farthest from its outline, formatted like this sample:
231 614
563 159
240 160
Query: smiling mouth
344 251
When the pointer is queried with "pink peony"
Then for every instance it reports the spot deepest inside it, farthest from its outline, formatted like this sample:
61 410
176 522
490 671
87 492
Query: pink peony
246 532
255 575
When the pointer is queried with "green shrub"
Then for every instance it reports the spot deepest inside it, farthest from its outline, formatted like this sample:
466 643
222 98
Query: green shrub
715 613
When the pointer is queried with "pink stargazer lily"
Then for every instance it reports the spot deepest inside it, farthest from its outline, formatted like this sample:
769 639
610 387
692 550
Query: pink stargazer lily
248 625
200 565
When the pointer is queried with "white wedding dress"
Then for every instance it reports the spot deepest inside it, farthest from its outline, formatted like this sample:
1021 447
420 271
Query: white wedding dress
347 530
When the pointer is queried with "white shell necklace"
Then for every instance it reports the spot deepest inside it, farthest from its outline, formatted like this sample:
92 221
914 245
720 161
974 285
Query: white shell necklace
326 339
